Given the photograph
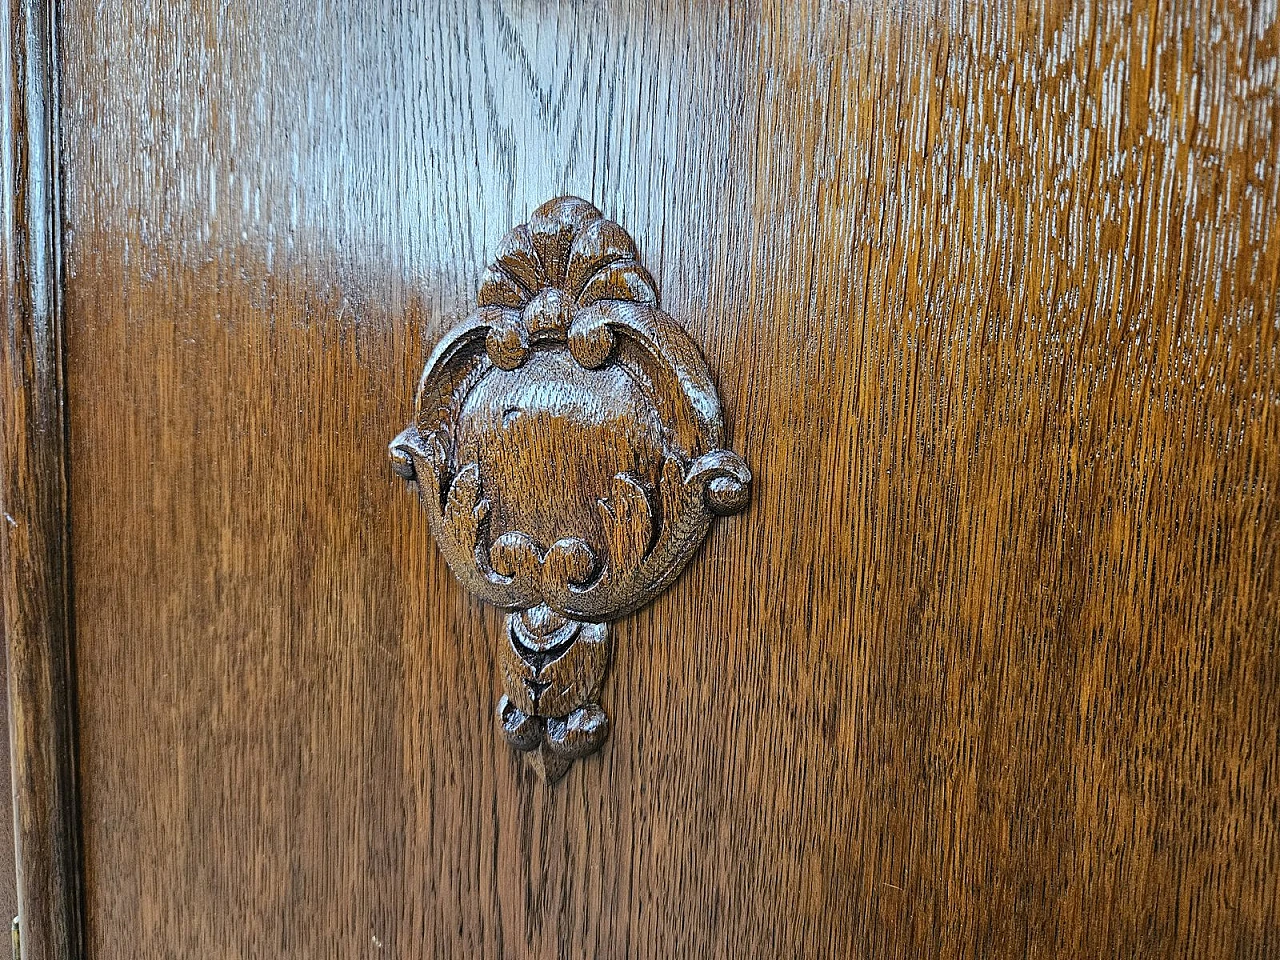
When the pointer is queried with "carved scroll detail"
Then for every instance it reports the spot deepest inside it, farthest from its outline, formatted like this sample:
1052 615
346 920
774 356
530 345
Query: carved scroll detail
567 447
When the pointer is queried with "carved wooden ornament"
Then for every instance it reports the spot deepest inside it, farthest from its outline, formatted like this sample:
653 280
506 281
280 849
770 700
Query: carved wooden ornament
567 447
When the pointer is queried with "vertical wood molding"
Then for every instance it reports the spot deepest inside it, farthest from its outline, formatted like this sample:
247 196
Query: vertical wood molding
36 585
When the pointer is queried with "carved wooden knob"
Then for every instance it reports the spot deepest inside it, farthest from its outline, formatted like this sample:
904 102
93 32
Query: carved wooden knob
567 447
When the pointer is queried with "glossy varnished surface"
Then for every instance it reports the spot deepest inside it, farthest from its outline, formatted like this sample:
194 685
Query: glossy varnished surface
989 667
35 580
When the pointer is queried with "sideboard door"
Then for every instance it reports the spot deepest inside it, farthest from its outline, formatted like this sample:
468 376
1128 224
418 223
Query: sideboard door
988 663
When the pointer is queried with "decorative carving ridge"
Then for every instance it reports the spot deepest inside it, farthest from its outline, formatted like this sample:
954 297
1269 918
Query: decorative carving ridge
567 447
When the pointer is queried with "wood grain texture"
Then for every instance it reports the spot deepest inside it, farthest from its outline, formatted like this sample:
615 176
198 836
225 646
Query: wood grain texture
989 668
34 549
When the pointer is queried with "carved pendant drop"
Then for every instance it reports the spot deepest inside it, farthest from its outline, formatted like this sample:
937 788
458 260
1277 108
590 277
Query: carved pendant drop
567 447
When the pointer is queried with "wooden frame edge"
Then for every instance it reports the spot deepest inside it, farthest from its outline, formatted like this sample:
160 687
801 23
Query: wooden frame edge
34 528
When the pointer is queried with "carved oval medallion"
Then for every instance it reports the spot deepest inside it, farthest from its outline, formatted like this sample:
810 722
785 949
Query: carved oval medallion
567 450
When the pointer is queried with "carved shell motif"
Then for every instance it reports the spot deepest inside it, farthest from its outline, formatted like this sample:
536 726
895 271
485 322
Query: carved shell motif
567 447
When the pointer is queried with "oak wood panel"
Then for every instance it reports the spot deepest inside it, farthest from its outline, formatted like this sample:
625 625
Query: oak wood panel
988 668
35 580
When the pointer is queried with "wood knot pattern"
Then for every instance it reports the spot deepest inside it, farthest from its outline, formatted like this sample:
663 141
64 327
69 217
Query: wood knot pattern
568 447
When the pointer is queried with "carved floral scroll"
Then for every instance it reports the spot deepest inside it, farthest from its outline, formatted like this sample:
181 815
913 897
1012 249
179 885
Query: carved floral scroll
568 449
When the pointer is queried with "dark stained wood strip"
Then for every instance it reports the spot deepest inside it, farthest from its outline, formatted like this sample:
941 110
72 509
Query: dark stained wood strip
8 862
34 530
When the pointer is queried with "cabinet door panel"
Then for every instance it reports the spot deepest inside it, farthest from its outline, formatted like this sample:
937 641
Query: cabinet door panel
988 666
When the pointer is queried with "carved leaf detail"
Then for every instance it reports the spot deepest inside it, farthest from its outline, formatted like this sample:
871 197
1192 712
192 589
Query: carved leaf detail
673 492
461 515
519 260
569 563
507 343
602 242
418 459
498 289
725 479
590 340
435 459
578 734
628 523
516 555
552 228
620 281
